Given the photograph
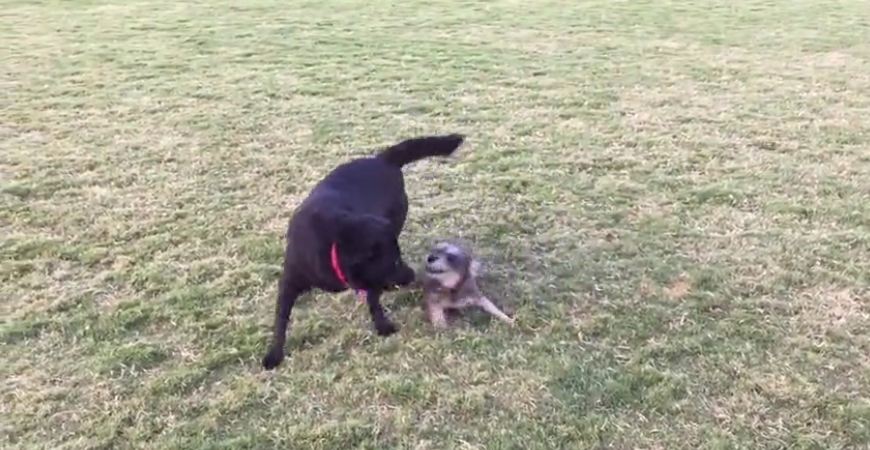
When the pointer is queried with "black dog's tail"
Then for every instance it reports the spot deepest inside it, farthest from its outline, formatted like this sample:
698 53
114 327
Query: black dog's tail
411 150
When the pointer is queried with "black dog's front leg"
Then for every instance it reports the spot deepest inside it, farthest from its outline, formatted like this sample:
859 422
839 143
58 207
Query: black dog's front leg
288 291
382 324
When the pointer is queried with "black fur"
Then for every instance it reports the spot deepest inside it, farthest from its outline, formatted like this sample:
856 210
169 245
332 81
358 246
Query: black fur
360 206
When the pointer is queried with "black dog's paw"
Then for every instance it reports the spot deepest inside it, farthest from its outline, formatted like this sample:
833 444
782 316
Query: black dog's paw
386 328
273 358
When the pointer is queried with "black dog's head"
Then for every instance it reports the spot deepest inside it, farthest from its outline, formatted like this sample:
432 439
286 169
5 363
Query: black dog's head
370 254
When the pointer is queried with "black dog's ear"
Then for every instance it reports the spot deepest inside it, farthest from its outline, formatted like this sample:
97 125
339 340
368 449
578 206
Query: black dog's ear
360 232
354 233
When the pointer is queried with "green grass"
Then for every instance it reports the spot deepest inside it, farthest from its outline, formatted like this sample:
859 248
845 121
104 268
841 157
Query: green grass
674 198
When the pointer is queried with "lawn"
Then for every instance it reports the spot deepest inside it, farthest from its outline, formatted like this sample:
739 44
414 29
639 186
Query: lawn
672 197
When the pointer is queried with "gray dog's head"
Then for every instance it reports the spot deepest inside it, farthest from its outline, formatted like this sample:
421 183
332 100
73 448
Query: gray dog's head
450 264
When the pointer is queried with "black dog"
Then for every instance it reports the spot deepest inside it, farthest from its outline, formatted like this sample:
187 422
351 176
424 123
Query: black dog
345 234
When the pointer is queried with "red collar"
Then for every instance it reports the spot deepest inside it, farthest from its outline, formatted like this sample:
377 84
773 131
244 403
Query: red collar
336 268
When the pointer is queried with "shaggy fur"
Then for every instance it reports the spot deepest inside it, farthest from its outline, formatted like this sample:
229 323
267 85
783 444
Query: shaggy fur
450 284
360 207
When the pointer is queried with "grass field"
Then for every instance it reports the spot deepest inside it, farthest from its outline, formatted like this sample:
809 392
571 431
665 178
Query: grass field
673 197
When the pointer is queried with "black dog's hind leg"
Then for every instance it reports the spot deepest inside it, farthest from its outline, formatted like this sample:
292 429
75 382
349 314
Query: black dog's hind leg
288 290
382 324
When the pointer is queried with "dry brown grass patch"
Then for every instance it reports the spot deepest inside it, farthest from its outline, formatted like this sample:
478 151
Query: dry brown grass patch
679 288
830 308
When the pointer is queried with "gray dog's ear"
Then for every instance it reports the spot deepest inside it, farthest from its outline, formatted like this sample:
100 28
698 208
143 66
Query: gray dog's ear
475 268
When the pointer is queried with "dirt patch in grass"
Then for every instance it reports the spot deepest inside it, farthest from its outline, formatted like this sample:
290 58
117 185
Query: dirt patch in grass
824 309
679 288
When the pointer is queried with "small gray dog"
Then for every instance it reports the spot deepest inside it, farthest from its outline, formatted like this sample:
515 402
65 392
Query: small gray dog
450 283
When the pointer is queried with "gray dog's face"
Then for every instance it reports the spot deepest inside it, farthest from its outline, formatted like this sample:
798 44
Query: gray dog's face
449 264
